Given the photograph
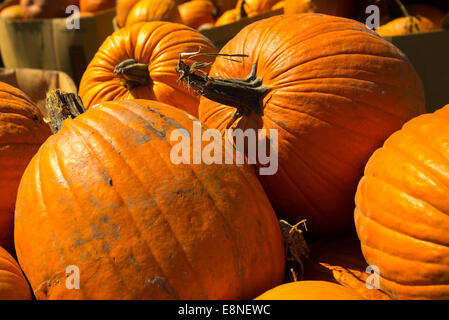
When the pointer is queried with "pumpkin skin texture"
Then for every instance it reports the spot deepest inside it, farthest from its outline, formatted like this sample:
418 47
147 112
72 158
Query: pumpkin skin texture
22 131
310 290
154 10
341 8
141 239
402 210
340 260
96 5
44 9
333 99
197 12
13 285
157 44
123 9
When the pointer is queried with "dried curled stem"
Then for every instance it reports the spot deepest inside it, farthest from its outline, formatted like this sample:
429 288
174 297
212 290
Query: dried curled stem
60 106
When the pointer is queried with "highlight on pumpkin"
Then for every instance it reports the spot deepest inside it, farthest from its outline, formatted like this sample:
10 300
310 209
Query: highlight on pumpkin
254 150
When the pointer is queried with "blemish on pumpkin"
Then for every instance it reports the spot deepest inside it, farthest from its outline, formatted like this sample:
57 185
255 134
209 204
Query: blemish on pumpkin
161 283
109 181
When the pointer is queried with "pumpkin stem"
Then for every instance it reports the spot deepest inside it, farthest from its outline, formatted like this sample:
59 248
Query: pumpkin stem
242 12
60 106
245 95
413 26
296 249
132 74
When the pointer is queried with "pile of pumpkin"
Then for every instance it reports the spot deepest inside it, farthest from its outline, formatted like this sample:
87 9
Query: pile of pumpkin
93 185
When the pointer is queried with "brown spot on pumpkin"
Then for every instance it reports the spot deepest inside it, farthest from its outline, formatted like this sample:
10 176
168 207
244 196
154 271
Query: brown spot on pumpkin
162 283
109 181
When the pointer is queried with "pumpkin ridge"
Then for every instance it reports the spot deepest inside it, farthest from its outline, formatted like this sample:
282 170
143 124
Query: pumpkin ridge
129 213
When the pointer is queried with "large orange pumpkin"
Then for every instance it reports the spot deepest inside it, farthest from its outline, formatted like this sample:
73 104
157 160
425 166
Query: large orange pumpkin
13 285
106 198
333 96
155 47
197 12
341 8
310 290
96 5
22 131
41 9
402 209
154 10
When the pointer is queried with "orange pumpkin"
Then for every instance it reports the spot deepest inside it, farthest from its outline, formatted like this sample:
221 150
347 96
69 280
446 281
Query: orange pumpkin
310 290
156 47
106 197
279 5
228 17
341 261
197 13
12 12
123 9
255 7
330 99
42 9
154 10
22 131
341 8
96 5
224 5
402 209
13 285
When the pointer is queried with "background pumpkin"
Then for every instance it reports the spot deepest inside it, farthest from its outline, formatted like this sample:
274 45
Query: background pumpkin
157 44
402 209
334 97
96 5
255 7
224 5
13 285
22 131
12 12
197 12
228 17
154 10
41 9
341 8
310 290
201 232
123 9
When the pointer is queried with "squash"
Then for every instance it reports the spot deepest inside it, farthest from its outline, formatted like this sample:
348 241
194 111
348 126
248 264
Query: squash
13 285
42 9
12 12
278 5
224 5
22 131
310 290
340 260
106 197
94 6
252 8
123 9
154 10
155 48
228 17
197 13
402 209
333 97
341 8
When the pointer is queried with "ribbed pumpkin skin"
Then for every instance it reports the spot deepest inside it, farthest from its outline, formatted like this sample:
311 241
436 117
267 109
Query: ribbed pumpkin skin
156 43
22 131
310 290
402 209
13 285
96 5
341 8
337 92
123 9
105 197
196 13
154 10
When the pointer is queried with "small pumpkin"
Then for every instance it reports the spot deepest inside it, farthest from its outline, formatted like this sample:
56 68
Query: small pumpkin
154 10
94 6
341 8
91 193
310 290
279 5
154 48
42 9
224 5
402 209
197 13
255 7
22 131
333 99
228 17
12 12
13 285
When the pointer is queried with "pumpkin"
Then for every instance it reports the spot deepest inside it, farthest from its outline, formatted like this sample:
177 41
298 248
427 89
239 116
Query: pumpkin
332 98
42 9
255 7
155 48
341 8
228 17
96 5
197 13
12 12
341 261
154 10
224 5
8 3
123 9
22 131
279 5
310 290
423 18
91 193
402 209
13 285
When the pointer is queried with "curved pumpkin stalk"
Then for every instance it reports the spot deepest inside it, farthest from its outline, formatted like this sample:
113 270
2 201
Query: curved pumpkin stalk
413 26
62 105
